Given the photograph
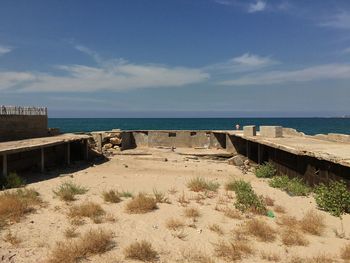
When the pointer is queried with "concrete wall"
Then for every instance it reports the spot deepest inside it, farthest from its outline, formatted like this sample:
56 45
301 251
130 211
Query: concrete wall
178 139
16 127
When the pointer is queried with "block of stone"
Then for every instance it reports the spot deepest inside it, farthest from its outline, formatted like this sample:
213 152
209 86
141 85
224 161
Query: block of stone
249 130
271 131
236 160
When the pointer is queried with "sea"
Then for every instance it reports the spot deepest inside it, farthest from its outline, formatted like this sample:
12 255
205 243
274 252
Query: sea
309 126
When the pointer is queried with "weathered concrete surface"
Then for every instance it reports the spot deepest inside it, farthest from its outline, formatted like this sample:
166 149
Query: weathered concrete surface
37 143
334 137
249 130
271 131
336 152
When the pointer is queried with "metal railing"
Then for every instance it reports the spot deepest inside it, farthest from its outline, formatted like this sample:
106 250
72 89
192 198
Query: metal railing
17 110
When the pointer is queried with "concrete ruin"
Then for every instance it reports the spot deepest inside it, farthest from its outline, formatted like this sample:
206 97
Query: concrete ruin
26 142
293 153
317 158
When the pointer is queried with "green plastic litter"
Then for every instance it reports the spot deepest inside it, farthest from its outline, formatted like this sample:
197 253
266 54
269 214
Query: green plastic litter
270 214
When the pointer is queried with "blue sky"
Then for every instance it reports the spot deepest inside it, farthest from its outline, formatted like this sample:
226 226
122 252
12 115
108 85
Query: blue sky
166 58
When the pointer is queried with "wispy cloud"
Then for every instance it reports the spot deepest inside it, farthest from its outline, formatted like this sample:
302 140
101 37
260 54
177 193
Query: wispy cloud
258 6
254 6
89 52
4 50
119 77
340 20
243 63
319 72
346 51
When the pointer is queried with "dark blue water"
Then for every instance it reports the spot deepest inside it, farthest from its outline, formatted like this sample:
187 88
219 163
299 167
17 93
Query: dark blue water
306 125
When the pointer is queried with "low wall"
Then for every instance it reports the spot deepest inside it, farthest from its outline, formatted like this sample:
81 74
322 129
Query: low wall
178 139
16 127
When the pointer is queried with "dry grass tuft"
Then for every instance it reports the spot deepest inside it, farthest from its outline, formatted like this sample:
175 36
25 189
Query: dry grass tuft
279 209
345 252
239 233
288 221
71 232
232 213
260 229
199 184
13 239
183 200
14 205
312 223
292 237
172 190
270 256
141 204
174 224
216 228
233 250
269 201
192 213
87 209
142 251
160 197
91 243
77 222
68 190
111 196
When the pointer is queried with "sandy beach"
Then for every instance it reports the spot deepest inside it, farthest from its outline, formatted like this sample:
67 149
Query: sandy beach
147 170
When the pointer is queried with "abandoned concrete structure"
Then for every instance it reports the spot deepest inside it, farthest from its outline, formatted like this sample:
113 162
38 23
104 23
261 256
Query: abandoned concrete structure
27 143
293 153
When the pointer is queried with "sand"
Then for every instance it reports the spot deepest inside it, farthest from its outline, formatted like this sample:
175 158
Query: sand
163 170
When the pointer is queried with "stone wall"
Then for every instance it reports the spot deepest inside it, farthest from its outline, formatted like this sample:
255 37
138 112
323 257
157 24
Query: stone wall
16 127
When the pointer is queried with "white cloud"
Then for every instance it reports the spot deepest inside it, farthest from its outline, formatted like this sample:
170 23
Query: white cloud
320 72
243 63
89 52
258 6
116 77
340 20
252 60
12 79
346 50
4 50
223 2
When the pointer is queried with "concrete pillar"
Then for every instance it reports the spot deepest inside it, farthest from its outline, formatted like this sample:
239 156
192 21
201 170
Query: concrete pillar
86 150
42 165
4 165
259 153
247 148
68 153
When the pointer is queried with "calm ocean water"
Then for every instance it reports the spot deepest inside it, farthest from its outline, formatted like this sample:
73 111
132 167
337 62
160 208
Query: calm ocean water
306 125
